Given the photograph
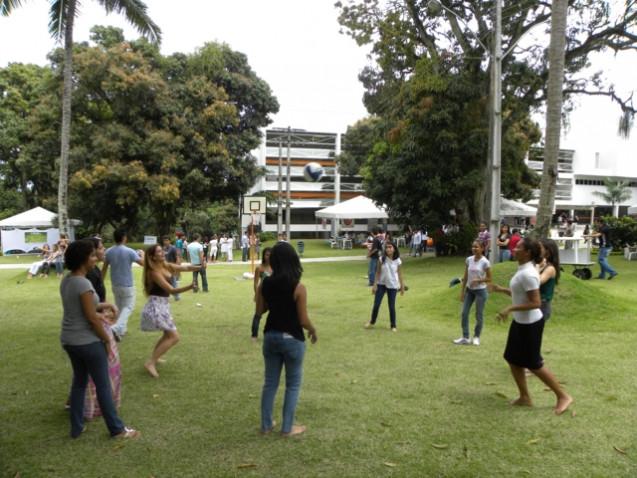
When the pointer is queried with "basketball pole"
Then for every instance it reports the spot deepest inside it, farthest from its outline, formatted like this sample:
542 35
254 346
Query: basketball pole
253 243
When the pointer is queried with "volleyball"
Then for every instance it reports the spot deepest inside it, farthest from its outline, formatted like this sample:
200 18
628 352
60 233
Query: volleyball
313 172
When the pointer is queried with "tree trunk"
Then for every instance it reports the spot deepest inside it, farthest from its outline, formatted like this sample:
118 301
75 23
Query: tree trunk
65 136
554 98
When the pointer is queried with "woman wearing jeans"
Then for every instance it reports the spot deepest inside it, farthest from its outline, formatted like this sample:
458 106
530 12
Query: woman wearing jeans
86 341
477 274
283 295
389 279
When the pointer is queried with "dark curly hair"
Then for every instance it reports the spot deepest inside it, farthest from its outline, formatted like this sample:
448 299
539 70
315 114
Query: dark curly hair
77 253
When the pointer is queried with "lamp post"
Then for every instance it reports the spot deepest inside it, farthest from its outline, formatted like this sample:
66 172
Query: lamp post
496 116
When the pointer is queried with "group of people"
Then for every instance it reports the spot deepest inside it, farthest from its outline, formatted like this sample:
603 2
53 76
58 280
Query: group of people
51 258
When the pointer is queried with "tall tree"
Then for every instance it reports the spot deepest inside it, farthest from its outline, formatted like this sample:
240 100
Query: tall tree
62 14
554 97
616 193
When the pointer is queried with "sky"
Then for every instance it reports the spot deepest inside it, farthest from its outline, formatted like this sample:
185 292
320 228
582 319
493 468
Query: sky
295 46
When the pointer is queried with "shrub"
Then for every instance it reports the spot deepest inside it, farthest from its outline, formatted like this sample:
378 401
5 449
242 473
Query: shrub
623 231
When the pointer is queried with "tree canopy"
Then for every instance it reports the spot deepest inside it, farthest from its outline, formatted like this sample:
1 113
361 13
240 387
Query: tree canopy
152 134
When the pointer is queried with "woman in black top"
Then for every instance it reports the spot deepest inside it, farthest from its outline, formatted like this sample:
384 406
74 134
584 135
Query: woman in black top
283 295
156 313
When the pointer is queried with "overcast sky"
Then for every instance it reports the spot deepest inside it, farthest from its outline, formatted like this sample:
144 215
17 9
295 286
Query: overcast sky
296 47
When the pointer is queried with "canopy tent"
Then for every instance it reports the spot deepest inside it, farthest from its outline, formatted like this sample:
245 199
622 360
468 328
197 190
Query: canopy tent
511 208
360 207
30 230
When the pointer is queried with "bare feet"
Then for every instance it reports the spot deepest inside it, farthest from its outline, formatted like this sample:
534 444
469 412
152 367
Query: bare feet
151 369
521 402
296 430
563 404
369 325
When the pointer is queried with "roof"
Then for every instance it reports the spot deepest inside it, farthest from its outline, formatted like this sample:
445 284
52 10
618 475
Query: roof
359 207
511 208
36 217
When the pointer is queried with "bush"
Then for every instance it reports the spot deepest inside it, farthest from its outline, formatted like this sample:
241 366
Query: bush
266 236
623 231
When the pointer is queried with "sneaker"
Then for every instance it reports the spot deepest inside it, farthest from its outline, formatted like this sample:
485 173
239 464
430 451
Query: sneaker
475 341
369 325
462 341
610 277
394 329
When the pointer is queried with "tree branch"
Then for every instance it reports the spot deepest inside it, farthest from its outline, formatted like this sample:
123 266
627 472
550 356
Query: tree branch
455 27
428 40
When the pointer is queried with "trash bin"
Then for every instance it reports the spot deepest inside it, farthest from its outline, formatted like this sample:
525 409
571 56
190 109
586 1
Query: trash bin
300 247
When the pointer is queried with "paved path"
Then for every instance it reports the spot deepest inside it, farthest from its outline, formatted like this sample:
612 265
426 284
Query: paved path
215 264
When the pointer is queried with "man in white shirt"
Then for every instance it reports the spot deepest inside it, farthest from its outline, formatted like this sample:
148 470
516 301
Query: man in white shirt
416 242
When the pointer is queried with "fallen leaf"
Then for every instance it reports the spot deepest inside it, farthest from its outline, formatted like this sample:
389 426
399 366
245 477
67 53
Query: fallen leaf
390 464
501 394
440 446
354 381
155 395
619 450
533 441
247 465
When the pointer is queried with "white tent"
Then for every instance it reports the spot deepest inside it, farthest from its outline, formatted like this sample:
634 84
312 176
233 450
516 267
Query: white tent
510 208
30 230
360 207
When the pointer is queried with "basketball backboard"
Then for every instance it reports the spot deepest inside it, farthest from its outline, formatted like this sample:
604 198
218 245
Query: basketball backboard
253 204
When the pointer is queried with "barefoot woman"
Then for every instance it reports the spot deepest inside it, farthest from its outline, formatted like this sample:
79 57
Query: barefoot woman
156 312
525 334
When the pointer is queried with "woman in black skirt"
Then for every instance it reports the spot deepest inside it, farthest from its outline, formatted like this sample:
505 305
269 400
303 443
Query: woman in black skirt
525 334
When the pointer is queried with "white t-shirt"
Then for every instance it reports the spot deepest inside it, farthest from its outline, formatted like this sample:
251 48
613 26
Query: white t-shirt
525 280
417 240
389 272
476 271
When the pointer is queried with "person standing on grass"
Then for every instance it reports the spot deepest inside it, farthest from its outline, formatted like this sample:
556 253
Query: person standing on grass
156 313
477 274
85 340
285 297
245 246
525 334
197 258
214 248
388 279
603 235
503 243
262 271
549 270
120 258
173 256
372 255
515 238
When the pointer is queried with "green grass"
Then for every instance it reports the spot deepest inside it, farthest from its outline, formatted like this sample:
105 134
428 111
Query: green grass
375 403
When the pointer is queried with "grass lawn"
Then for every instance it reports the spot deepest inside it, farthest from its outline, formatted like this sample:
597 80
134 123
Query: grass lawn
375 403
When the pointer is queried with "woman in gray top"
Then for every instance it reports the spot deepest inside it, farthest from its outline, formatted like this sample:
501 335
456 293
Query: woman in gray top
85 340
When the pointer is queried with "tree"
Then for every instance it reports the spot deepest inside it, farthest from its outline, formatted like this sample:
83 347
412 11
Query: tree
616 193
404 32
553 116
61 21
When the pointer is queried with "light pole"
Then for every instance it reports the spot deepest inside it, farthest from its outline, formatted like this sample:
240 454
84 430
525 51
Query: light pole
496 116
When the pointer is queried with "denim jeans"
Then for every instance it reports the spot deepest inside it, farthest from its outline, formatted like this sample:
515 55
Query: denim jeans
480 298
204 279
173 282
281 349
602 258
125 302
505 255
371 271
91 360
244 253
391 301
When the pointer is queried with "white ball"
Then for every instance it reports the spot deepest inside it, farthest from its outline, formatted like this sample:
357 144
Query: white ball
313 172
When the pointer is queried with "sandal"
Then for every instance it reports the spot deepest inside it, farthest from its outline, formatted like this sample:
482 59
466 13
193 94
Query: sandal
128 433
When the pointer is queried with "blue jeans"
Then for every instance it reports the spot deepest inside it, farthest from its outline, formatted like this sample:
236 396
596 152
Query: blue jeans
505 255
204 279
480 298
391 301
279 349
605 267
173 282
125 302
91 360
244 253
371 271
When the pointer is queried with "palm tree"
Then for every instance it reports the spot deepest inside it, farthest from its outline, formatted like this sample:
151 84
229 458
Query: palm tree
554 99
616 192
62 15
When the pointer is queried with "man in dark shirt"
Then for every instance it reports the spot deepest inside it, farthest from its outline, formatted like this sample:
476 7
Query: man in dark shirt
373 254
603 235
172 255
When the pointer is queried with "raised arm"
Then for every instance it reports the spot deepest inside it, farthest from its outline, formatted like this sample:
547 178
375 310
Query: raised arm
161 281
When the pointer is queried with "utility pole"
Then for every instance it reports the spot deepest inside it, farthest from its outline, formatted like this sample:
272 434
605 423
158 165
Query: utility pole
279 226
337 183
288 202
496 159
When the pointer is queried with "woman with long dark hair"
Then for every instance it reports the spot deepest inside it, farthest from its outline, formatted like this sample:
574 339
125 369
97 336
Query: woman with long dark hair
388 280
285 297
549 270
524 342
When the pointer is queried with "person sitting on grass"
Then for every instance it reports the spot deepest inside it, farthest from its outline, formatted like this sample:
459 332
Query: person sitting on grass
285 297
156 312
388 279
525 333
85 340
